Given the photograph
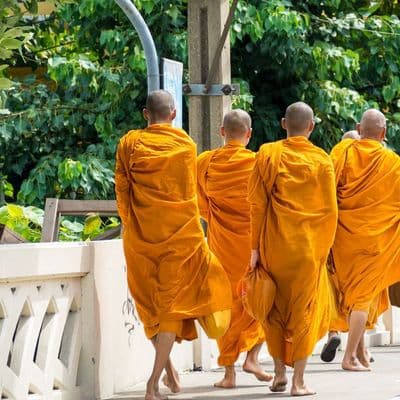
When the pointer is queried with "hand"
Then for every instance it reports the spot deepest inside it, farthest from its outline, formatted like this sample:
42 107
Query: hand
255 258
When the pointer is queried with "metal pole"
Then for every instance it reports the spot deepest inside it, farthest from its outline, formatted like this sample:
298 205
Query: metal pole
153 73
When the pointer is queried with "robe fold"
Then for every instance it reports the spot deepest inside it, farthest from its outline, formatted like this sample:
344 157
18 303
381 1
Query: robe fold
223 176
294 217
366 251
172 275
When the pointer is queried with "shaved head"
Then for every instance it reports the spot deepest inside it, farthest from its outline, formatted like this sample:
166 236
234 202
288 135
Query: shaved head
237 124
351 135
372 125
160 107
299 119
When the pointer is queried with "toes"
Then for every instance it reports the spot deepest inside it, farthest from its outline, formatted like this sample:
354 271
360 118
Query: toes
302 391
224 385
264 377
355 367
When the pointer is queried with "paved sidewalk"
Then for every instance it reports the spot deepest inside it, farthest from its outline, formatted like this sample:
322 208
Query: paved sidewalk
331 383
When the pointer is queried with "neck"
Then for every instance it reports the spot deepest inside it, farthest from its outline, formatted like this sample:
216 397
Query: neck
378 139
157 122
295 134
228 140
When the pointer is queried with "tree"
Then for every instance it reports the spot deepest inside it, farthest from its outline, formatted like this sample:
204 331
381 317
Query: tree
12 38
339 56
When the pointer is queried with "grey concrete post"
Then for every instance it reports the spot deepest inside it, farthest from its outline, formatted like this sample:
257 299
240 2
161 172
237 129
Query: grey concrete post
206 20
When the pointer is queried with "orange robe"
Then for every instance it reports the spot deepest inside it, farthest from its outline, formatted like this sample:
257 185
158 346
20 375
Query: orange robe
366 251
294 217
223 176
172 275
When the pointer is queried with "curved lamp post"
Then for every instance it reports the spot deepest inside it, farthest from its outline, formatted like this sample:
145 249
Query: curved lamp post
153 73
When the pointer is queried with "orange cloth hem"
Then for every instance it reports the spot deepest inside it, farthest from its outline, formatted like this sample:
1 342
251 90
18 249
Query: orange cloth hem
230 359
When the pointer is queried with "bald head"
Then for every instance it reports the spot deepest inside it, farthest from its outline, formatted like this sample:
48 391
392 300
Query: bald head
299 119
237 124
351 135
372 125
160 107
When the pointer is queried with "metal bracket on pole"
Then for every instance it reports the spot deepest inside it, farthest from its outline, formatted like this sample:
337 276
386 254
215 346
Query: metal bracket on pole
212 90
153 72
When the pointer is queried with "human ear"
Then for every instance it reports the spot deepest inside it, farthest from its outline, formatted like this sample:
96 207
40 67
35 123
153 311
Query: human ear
173 115
311 126
383 134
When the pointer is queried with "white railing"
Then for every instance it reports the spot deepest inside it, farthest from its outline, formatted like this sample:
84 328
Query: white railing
68 328
40 329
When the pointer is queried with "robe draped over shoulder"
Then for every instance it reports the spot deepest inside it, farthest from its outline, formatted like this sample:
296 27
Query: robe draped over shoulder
366 251
172 275
223 176
294 217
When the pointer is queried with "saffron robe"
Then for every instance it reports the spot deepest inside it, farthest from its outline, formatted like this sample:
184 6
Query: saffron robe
223 176
294 217
172 275
366 251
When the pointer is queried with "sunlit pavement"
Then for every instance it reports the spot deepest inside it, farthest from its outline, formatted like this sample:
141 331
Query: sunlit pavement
383 383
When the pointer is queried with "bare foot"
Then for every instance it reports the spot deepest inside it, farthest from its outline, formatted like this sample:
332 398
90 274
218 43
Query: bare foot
363 358
155 396
278 385
257 371
173 385
301 390
226 383
161 396
354 365
229 381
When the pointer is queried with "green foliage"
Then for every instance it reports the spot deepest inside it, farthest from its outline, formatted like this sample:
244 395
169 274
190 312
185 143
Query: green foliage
12 38
339 56
12 35
96 60
85 177
28 222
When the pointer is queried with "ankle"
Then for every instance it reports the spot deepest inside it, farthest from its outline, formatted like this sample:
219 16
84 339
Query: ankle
230 371
298 381
150 388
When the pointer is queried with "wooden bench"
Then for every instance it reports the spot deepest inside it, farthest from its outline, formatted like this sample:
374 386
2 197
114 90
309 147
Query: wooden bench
55 208
7 236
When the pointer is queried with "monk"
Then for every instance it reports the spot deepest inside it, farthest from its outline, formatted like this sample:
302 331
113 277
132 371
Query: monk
338 324
172 275
294 216
366 251
223 176
351 135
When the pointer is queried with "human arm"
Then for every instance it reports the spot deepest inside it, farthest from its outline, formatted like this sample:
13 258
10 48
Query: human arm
122 184
258 207
202 198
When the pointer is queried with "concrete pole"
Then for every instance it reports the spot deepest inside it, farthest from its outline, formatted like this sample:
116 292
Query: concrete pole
206 21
